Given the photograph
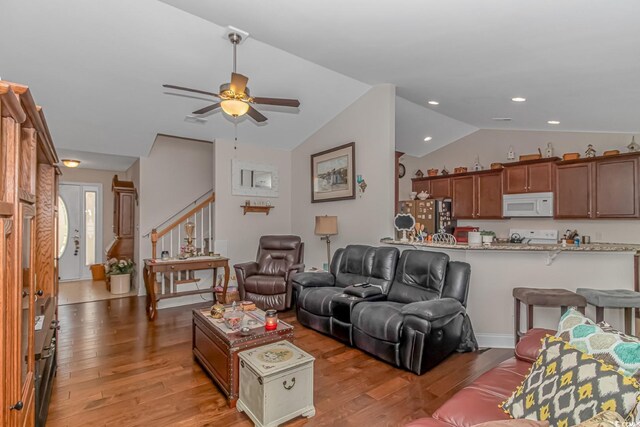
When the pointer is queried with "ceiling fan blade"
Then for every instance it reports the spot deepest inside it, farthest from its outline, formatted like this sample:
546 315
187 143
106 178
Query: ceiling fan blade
238 82
277 101
207 109
191 90
256 115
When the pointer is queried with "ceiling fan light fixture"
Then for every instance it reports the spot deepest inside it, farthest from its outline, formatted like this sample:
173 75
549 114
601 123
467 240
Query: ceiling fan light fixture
71 163
234 107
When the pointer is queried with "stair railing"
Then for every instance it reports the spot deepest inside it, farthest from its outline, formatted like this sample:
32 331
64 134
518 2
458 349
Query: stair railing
171 237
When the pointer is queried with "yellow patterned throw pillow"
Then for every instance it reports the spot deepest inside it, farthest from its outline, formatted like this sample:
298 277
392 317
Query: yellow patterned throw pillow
567 387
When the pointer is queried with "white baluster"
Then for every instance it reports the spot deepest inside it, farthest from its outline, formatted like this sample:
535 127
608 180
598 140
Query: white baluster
202 230
171 243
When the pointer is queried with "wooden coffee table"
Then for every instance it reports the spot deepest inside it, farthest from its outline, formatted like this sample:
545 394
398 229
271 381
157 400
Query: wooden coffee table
217 349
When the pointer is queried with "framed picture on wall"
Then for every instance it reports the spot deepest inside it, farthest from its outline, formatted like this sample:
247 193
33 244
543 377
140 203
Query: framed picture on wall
333 174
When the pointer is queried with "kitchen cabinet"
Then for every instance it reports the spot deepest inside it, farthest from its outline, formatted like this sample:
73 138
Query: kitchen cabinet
616 188
440 187
436 187
532 176
477 195
602 187
573 188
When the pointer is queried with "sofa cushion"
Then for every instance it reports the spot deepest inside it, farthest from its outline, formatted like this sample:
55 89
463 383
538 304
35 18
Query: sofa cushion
420 276
602 341
529 346
567 387
318 300
265 285
381 320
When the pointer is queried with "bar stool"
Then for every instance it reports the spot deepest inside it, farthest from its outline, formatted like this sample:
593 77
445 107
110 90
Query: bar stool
545 298
613 298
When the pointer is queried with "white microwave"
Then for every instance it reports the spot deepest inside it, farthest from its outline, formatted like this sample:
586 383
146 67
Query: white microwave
527 205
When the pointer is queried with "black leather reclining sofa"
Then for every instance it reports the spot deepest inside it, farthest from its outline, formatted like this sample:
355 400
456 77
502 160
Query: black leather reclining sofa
410 312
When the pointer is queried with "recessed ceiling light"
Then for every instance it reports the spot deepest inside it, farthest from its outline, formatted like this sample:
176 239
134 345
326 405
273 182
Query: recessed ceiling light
427 139
553 122
71 163
434 103
502 119
518 99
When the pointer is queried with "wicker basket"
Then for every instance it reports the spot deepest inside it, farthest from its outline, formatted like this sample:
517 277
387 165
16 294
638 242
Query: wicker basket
232 295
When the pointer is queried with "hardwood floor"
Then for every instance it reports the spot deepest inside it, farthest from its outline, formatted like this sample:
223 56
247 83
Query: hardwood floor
118 369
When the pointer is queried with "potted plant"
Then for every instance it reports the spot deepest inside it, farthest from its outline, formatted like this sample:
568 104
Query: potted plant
487 236
119 272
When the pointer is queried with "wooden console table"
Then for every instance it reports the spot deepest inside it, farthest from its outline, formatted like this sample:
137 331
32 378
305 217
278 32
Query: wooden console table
154 266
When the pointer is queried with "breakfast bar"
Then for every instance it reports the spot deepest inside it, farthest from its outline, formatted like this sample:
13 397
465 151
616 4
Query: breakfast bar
499 267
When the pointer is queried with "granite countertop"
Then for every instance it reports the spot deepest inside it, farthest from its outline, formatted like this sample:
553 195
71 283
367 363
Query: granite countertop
592 247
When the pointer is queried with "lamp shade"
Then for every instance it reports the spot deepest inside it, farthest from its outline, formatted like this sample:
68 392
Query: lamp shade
326 225
234 107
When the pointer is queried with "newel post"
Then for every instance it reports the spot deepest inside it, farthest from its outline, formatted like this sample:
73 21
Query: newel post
154 241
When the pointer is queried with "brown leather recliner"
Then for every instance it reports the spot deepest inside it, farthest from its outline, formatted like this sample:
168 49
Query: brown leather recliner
267 282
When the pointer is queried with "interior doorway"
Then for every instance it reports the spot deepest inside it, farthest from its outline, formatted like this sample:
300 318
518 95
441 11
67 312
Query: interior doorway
79 229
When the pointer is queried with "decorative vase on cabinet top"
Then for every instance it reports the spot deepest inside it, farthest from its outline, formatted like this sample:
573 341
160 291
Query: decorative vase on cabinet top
423 196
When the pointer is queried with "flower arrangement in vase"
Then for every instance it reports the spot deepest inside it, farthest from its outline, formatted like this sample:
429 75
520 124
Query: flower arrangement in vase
119 272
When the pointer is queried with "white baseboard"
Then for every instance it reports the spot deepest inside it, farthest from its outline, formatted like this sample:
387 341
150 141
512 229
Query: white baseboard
495 340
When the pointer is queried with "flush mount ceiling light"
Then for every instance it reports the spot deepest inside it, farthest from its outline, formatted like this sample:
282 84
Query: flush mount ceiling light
433 103
553 122
427 139
71 163
518 99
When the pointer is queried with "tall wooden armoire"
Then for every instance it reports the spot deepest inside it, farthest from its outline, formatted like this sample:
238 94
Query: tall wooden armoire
28 258
124 222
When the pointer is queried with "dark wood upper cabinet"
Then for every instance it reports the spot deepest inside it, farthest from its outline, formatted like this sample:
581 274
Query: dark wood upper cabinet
464 197
573 190
540 177
477 195
440 187
616 192
515 179
533 176
420 185
489 195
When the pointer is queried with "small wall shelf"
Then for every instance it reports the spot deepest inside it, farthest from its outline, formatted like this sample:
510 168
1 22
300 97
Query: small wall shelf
257 209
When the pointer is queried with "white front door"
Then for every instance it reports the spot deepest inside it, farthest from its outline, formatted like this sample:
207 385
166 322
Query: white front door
79 230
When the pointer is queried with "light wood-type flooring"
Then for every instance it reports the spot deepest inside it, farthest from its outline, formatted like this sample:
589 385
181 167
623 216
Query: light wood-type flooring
118 369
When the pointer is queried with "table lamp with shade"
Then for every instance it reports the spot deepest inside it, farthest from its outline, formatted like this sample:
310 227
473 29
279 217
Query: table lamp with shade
327 226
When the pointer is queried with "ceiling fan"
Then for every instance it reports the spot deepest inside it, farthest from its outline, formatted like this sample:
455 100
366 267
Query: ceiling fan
235 98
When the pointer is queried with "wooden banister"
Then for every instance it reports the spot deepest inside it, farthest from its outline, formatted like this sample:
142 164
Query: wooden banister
156 235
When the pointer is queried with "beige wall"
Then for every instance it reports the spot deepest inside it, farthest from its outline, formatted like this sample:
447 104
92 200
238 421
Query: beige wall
236 234
493 145
104 177
176 172
370 122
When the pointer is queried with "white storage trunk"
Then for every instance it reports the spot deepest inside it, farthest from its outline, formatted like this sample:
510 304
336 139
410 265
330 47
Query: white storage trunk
276 383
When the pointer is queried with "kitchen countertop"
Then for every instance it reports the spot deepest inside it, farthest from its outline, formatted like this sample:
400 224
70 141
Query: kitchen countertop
591 247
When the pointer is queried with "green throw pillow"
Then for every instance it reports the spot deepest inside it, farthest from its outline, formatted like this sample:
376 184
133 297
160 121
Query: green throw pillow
567 387
602 341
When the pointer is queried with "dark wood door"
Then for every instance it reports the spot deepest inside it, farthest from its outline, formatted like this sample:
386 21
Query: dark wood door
126 226
440 187
540 177
489 196
573 184
463 196
515 179
616 194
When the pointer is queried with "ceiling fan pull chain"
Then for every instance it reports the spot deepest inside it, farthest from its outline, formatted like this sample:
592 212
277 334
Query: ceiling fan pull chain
235 133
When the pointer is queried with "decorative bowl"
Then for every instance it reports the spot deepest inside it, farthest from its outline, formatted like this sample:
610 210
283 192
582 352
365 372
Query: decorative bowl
432 172
570 156
413 195
233 319
423 195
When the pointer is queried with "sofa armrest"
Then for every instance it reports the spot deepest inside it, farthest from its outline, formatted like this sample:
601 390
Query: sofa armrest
439 312
245 270
295 268
313 280
530 344
362 292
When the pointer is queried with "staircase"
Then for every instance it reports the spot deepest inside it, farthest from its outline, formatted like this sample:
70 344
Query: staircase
171 236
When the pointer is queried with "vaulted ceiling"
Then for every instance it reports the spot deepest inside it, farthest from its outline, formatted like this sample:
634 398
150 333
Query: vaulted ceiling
97 67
